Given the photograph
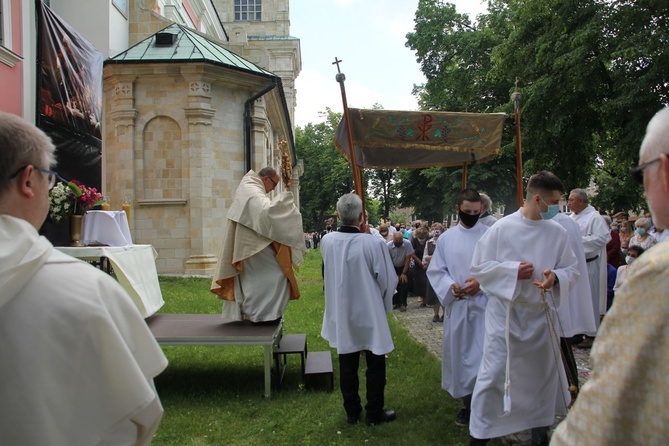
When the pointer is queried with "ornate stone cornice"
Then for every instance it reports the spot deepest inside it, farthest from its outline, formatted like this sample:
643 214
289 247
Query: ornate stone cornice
199 115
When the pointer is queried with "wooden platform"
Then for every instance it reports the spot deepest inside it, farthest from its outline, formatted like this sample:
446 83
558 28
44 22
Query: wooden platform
209 329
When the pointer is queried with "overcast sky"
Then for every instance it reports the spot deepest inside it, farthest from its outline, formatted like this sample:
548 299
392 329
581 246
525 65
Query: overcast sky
369 37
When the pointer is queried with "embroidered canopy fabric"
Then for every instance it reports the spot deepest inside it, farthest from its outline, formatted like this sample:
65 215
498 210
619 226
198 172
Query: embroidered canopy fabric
388 139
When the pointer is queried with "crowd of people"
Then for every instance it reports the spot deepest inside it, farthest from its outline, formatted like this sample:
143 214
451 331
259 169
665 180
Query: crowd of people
517 294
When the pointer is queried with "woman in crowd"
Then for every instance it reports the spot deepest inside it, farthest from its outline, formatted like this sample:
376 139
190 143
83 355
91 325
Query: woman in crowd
633 252
642 235
625 233
419 279
431 298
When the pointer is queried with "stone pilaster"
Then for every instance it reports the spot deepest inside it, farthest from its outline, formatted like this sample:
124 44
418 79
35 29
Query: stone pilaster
201 145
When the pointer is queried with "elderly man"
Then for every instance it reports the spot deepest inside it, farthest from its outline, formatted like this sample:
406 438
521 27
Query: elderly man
401 251
595 234
263 241
486 204
359 285
78 361
625 402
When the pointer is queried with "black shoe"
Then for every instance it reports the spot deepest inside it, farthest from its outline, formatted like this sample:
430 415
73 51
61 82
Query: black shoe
386 417
435 319
352 419
463 418
477 442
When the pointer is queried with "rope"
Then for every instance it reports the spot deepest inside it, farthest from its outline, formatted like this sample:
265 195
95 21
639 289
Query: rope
573 391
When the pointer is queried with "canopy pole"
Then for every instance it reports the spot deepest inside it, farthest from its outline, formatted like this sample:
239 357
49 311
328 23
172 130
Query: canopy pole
464 176
515 97
357 172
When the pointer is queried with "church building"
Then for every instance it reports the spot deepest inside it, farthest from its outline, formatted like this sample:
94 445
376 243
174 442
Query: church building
194 94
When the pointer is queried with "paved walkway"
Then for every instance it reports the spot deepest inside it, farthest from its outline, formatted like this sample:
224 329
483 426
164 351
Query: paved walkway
418 321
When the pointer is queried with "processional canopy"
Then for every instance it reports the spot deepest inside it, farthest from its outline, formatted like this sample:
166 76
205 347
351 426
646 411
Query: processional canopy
389 139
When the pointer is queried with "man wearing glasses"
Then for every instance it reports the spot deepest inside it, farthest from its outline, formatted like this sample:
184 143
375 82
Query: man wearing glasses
77 360
625 400
263 241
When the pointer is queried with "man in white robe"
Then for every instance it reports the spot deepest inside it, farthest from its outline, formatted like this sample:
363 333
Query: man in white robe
77 359
575 315
521 382
595 234
464 302
625 401
486 205
359 284
263 242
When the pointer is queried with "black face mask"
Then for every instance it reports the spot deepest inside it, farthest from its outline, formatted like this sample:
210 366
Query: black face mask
398 244
468 219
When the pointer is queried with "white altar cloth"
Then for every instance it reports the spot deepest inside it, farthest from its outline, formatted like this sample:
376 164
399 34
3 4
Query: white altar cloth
105 228
135 269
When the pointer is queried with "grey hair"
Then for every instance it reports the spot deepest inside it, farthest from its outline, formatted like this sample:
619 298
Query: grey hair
580 193
267 172
656 141
21 144
486 202
349 208
643 221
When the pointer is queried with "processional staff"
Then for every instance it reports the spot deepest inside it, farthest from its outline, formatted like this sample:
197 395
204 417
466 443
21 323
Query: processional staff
515 97
357 172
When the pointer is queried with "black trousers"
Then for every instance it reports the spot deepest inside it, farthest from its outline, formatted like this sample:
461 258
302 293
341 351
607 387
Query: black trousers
350 383
400 298
570 360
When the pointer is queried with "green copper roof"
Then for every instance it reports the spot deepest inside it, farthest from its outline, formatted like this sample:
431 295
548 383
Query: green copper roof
188 46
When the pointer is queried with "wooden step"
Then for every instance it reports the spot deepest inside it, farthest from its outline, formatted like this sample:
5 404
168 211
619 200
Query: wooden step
320 363
289 344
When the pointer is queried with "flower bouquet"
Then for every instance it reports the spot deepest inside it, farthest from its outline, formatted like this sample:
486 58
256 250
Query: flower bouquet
72 198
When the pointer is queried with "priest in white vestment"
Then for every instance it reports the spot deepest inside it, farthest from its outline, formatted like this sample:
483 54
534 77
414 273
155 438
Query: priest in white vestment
359 285
464 302
521 383
263 242
595 234
77 360
625 400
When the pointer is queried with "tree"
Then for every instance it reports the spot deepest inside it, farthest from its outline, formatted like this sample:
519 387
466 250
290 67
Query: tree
327 175
455 56
591 73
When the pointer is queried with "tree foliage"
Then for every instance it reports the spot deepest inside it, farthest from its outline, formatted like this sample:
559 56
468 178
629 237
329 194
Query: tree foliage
591 74
327 175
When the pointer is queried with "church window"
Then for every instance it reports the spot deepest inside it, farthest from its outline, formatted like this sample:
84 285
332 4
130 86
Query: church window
248 10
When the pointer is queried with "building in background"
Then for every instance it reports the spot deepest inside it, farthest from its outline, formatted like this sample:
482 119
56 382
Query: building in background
195 93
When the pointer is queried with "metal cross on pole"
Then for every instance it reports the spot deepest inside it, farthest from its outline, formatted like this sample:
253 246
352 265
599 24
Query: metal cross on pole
357 172
515 97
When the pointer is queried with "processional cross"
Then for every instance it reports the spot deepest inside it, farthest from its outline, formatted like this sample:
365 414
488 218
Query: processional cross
357 172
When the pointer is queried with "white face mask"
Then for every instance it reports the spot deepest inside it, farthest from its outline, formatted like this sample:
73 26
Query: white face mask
629 259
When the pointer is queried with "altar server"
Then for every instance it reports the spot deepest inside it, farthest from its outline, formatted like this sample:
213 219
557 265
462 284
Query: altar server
521 382
77 361
463 300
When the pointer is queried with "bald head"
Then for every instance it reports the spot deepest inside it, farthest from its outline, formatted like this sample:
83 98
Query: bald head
654 158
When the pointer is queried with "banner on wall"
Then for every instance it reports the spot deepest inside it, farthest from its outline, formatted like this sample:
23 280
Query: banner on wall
69 96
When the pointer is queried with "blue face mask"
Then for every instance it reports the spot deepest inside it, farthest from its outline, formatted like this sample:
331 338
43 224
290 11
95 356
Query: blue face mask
640 231
552 211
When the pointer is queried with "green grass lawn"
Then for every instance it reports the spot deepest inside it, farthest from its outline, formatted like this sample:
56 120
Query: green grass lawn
212 395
